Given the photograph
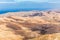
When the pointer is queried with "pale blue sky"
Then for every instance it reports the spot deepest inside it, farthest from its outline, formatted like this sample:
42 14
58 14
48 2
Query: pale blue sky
56 1
33 0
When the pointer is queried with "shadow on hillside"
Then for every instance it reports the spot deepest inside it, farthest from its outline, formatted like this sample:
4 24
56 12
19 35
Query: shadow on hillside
36 29
47 28
41 28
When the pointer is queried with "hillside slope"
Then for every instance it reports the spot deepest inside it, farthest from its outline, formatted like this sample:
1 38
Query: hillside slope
28 28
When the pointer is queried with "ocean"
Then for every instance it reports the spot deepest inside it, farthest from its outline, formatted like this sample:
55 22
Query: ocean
18 10
25 6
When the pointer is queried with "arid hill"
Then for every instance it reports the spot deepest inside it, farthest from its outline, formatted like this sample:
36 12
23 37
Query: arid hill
39 26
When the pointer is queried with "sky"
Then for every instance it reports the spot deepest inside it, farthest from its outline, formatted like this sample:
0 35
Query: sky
56 1
33 0
6 0
12 1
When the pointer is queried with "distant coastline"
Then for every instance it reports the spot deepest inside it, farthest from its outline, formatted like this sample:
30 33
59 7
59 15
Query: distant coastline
19 10
26 6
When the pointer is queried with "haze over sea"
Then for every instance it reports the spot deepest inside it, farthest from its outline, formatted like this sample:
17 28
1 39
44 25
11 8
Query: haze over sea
25 5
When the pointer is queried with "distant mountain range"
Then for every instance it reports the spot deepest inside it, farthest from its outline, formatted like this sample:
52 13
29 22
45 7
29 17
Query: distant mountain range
26 6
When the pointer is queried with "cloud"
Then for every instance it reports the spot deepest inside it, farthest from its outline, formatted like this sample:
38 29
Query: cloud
32 0
7 1
14 1
54 1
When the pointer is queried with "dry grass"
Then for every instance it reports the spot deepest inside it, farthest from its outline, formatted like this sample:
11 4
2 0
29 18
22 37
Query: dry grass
30 28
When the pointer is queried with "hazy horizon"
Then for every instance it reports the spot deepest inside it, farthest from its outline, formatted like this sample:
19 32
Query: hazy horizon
20 5
52 1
